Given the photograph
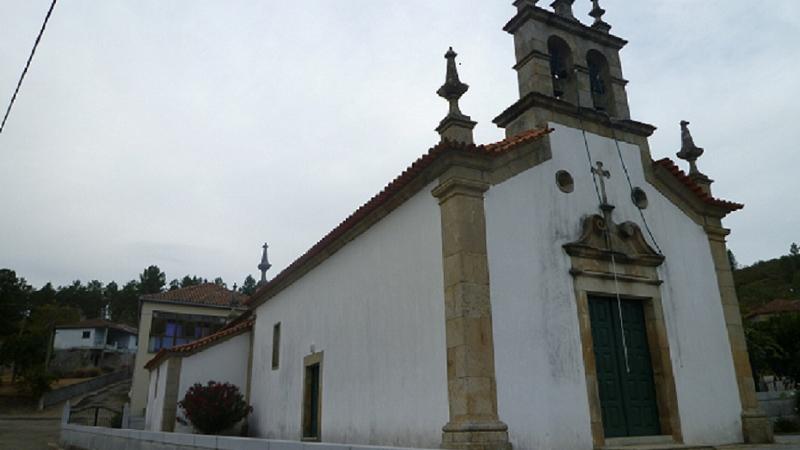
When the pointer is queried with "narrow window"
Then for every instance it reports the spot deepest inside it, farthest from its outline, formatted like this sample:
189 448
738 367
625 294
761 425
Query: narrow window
276 346
561 68
600 82
86 334
312 397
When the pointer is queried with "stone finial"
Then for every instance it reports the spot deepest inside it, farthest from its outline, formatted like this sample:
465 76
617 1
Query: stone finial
563 8
689 151
456 126
597 12
521 4
264 265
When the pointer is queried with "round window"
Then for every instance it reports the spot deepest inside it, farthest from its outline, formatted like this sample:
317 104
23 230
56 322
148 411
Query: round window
564 181
639 198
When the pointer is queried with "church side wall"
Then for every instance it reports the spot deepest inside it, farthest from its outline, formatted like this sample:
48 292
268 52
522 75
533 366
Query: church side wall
375 310
225 362
541 386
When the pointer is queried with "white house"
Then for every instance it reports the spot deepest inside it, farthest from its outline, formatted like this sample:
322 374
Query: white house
93 342
557 289
95 334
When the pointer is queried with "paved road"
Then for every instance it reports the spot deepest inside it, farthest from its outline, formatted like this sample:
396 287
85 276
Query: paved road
29 434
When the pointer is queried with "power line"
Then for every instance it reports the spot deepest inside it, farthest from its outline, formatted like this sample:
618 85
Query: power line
27 65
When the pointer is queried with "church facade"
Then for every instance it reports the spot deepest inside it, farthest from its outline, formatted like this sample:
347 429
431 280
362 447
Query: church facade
557 289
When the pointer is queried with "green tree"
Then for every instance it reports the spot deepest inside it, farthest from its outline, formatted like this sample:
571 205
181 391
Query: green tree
14 301
187 281
43 296
124 304
220 282
152 280
794 250
732 260
248 286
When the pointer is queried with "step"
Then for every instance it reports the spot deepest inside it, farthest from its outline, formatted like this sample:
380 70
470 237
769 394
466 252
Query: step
649 443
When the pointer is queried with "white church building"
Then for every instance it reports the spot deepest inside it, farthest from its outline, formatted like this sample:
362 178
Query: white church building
559 289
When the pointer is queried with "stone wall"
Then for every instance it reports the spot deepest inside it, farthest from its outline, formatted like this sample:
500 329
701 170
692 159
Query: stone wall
74 390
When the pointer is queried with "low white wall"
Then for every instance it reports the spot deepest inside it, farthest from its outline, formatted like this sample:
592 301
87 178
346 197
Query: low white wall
98 438
225 362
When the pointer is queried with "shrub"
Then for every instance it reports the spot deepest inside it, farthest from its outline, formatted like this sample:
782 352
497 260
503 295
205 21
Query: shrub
215 407
35 381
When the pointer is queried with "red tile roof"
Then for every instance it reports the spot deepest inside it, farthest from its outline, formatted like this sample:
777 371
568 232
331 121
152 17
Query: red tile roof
778 306
208 294
404 179
202 343
670 165
99 323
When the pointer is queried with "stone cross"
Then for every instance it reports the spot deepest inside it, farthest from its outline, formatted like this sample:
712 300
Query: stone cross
602 174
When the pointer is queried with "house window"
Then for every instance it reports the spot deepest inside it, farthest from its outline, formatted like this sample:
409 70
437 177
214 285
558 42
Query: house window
276 345
86 334
170 329
312 397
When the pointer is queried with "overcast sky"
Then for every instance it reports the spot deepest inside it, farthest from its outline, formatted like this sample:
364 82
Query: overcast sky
185 133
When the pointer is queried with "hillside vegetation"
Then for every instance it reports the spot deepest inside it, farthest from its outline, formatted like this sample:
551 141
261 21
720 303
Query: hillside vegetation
765 281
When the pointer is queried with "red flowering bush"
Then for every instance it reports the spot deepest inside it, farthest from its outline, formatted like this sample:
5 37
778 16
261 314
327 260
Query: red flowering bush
215 407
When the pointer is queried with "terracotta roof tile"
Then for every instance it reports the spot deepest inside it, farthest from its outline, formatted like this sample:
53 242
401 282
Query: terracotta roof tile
405 178
202 343
777 306
203 294
99 323
673 168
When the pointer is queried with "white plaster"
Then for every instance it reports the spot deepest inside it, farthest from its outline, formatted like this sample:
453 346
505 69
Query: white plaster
376 310
225 362
66 338
540 375
155 398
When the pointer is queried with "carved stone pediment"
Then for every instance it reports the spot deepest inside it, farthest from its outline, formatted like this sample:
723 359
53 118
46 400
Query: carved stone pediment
599 238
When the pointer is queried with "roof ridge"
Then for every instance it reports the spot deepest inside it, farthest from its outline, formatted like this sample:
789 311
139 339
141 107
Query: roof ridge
394 186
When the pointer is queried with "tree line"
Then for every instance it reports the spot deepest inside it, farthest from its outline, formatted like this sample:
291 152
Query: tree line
28 315
773 344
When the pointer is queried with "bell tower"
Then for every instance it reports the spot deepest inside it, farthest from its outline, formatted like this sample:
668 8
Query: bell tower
564 68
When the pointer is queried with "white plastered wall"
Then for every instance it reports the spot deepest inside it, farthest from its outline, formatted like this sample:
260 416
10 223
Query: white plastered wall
540 374
225 362
155 397
376 310
66 338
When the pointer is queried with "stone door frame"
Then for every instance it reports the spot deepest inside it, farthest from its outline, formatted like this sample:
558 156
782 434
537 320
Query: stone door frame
596 278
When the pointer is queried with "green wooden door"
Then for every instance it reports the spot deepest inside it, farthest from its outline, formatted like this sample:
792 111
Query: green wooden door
627 397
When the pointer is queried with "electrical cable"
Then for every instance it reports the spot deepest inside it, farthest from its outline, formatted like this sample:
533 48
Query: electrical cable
27 65
628 177
607 232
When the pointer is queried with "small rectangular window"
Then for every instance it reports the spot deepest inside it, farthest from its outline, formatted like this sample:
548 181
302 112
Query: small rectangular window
276 346
86 334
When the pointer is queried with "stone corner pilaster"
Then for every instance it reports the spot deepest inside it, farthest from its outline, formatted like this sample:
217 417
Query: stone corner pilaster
756 426
476 436
471 382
